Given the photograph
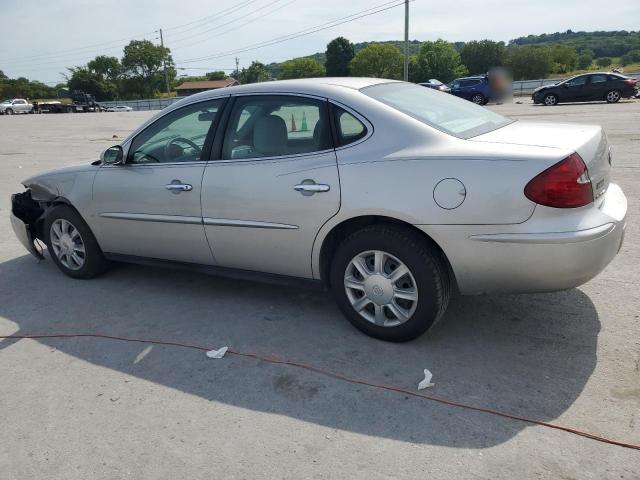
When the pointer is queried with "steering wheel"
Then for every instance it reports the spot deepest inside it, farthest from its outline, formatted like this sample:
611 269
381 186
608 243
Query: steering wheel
170 143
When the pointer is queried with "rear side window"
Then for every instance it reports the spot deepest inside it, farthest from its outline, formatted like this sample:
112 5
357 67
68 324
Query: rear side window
275 126
348 128
469 83
598 79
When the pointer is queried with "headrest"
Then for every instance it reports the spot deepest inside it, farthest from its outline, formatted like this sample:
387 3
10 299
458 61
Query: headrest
270 136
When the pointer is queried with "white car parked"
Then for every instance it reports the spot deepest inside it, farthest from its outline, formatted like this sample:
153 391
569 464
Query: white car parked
16 105
120 108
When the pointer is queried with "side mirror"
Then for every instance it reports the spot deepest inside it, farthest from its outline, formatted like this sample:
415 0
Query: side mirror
113 156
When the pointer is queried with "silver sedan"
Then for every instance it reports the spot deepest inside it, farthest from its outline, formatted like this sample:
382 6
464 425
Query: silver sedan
391 194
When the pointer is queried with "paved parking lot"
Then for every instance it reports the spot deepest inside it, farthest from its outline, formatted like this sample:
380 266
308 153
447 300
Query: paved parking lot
90 408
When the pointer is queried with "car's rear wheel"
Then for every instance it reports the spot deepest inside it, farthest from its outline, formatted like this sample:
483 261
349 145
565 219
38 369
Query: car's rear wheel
613 96
478 99
8 111
550 99
71 244
389 282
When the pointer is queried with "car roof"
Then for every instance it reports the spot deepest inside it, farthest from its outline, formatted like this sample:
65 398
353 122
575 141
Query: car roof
312 86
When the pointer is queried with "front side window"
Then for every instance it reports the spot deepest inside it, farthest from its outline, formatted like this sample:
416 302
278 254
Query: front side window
348 127
178 137
446 113
274 126
577 81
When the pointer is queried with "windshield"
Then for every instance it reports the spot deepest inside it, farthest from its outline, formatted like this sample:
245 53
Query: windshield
8 100
445 112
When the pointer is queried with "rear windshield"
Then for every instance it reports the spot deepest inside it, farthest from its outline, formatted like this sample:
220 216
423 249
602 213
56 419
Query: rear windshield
443 111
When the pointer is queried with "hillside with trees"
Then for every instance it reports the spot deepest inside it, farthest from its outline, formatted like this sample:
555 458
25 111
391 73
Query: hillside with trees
139 73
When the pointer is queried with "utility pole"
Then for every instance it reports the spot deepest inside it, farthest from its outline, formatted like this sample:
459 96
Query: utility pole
237 72
164 64
406 40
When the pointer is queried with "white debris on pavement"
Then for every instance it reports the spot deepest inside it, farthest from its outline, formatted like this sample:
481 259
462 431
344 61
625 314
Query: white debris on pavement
217 353
426 383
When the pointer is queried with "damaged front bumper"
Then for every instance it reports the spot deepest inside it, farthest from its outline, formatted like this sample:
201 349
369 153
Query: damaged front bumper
23 230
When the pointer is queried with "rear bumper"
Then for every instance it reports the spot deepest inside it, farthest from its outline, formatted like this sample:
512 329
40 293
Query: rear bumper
529 259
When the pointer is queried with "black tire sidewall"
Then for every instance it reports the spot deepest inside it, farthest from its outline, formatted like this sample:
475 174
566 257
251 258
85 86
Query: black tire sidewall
424 264
95 262
482 99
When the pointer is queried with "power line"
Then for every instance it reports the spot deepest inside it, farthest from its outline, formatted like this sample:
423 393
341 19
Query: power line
60 53
215 16
251 20
308 31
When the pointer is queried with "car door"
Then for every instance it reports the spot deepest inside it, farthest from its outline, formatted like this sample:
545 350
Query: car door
20 106
575 90
272 185
597 86
456 88
150 205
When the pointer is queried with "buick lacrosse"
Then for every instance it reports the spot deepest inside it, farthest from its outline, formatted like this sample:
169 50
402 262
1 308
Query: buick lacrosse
393 195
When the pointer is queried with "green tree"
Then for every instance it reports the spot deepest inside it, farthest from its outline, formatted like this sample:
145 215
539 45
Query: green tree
339 53
256 72
377 60
440 60
86 80
585 59
480 56
301 68
217 75
603 61
142 64
107 67
630 57
528 62
564 58
3 76
415 74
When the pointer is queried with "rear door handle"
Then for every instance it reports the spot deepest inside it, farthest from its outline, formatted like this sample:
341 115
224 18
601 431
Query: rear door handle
178 187
309 187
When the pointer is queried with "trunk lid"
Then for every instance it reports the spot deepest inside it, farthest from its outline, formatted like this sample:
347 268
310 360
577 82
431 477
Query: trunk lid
589 141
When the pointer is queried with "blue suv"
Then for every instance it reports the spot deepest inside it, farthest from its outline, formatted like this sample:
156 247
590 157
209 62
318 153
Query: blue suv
475 89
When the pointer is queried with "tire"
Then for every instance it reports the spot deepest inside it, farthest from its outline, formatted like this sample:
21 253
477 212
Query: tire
478 99
70 110
93 261
613 96
427 280
8 111
550 99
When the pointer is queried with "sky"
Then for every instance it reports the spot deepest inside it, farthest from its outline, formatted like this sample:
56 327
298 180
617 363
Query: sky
41 39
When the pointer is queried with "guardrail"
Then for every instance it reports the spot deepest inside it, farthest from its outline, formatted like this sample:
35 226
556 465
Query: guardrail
143 105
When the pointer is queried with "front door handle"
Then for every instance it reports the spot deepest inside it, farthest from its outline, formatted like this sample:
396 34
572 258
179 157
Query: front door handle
178 187
309 187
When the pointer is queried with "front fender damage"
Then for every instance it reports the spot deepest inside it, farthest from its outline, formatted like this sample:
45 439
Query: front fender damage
26 214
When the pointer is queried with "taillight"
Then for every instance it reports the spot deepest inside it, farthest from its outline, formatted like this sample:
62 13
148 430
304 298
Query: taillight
630 81
564 185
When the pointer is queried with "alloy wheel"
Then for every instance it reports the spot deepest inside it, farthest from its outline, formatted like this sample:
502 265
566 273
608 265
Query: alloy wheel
381 288
67 244
550 100
613 96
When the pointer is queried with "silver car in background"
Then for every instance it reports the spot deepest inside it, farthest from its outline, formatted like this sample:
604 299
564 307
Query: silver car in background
392 194
16 105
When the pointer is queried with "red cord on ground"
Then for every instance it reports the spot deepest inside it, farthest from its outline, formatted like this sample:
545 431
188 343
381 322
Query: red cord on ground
338 376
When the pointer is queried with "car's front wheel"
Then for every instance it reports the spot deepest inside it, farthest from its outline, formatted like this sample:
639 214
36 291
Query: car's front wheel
550 99
8 111
71 244
612 96
389 282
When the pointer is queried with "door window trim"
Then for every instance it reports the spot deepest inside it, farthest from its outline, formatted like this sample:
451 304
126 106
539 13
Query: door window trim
334 128
206 150
217 144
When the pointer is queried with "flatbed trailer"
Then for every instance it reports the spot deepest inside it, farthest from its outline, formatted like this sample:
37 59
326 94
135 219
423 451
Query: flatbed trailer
80 102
